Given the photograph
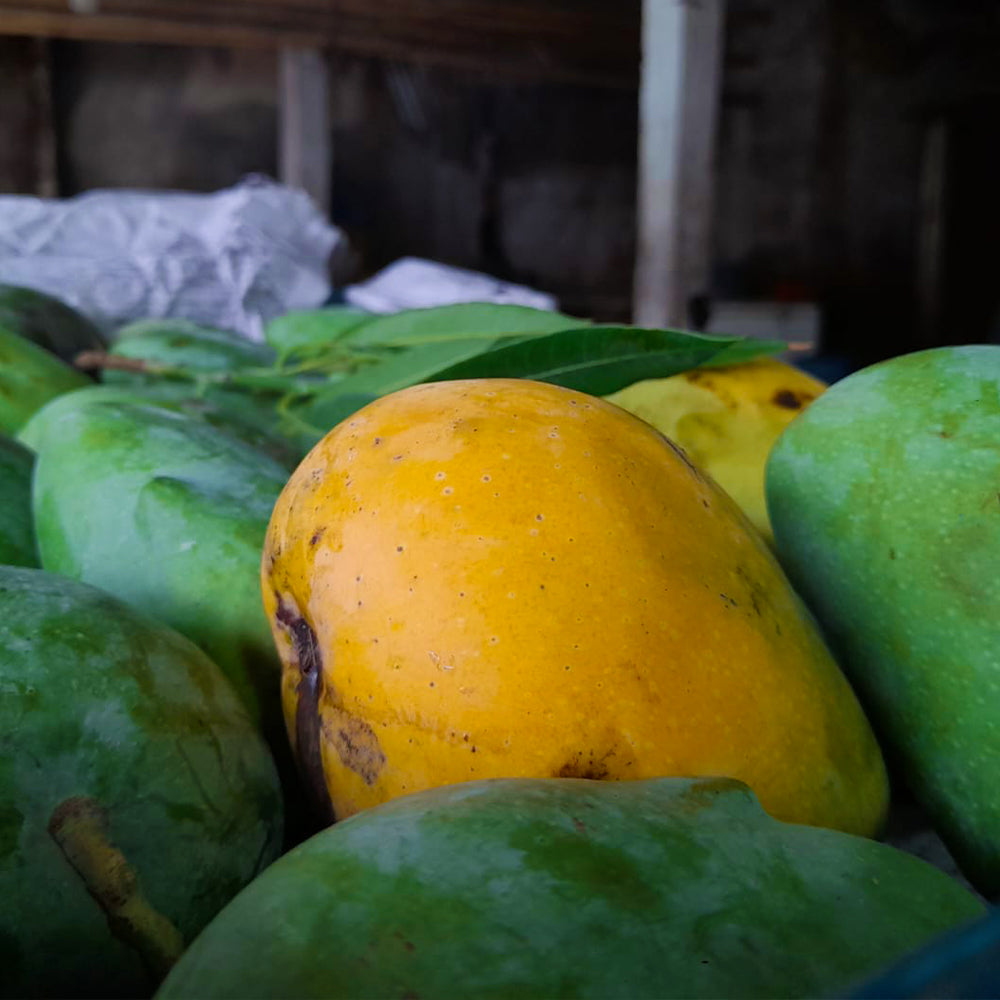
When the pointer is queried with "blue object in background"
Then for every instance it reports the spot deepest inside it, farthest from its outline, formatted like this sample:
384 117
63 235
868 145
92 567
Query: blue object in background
964 963
828 368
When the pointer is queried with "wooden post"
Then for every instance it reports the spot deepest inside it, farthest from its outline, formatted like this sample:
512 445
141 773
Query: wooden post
305 156
678 109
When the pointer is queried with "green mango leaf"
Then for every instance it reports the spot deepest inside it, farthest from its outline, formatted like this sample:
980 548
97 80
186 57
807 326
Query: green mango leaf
309 332
745 349
596 359
463 321
181 344
420 363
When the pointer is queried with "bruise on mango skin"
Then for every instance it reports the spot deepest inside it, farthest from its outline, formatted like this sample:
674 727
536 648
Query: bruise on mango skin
593 767
79 827
356 744
308 724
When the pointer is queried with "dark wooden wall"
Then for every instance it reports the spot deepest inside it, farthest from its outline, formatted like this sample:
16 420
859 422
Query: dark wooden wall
828 187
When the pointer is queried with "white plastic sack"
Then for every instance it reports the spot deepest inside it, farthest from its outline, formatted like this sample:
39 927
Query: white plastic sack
414 283
233 259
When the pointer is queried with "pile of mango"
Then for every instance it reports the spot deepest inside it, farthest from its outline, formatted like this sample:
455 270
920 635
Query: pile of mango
486 652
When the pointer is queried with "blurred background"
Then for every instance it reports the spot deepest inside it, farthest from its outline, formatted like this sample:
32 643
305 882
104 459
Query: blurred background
824 170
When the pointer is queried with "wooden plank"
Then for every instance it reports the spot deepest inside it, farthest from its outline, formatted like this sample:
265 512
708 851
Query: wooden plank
305 151
591 43
678 110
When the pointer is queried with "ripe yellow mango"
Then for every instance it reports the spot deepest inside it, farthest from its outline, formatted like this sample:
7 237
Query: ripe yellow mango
727 419
504 578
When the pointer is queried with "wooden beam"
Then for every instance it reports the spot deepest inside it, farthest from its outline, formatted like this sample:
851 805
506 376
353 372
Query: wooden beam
305 152
678 109
583 42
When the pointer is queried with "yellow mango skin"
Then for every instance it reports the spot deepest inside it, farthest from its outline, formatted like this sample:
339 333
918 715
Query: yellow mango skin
504 578
727 420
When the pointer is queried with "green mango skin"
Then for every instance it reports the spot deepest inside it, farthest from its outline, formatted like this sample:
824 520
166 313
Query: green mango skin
169 514
239 414
565 887
885 501
30 376
101 703
17 531
48 322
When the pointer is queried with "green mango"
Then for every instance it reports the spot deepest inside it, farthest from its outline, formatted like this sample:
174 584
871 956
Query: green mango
885 500
48 322
169 514
29 377
136 797
236 413
17 532
565 887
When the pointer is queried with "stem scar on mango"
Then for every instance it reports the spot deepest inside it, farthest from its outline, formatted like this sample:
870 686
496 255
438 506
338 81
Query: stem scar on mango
352 738
308 724
79 826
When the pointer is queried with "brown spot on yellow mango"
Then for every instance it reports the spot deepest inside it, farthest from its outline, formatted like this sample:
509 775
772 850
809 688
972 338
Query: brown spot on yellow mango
526 581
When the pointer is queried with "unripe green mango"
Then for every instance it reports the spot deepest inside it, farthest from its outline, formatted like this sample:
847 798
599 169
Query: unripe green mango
48 321
885 501
565 887
29 377
17 532
234 412
169 514
136 797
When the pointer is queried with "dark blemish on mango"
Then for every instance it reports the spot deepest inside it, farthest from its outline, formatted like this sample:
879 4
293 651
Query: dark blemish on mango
317 535
892 553
377 441
788 399
399 548
308 724
356 744
579 825
593 767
